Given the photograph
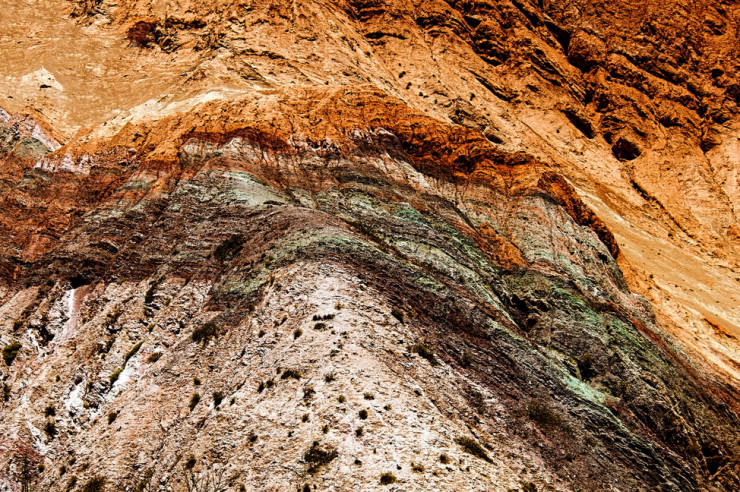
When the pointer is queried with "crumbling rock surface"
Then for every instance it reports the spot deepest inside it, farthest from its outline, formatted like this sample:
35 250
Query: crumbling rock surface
459 245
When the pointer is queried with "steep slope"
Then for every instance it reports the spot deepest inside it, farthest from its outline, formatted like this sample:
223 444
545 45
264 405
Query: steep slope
635 103
347 227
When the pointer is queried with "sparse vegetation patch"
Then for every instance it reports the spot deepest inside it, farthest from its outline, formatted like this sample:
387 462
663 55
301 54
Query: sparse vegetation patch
471 446
50 429
114 375
544 415
132 352
291 374
424 352
387 478
95 484
194 400
204 333
316 457
218 397
10 352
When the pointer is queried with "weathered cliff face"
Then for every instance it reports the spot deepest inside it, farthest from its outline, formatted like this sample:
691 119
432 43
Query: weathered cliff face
477 245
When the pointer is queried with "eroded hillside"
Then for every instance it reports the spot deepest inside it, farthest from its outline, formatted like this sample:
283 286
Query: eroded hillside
461 245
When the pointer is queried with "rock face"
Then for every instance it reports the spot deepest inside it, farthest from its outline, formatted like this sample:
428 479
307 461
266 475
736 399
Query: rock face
366 245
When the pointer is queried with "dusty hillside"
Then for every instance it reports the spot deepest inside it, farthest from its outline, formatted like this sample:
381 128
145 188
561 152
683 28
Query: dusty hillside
481 245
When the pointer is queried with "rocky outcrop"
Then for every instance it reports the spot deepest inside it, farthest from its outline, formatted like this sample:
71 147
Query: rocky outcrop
352 245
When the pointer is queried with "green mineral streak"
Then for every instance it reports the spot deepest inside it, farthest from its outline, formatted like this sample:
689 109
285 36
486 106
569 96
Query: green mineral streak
431 257
136 185
637 343
431 284
361 200
462 262
406 212
294 247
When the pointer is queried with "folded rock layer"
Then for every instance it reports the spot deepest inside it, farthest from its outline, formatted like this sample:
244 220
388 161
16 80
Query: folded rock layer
351 245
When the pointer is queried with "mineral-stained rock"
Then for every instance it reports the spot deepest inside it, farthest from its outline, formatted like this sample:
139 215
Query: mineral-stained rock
349 245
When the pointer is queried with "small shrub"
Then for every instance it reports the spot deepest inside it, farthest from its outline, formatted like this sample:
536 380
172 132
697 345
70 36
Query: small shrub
261 387
10 352
194 400
466 360
114 375
324 317
444 459
529 487
217 398
229 248
477 400
369 396
50 411
132 352
358 432
305 417
417 468
424 352
308 393
398 314
112 417
330 377
62 470
306 488
298 332
261 334
112 317
190 463
543 415
149 296
471 446
154 357
292 374
50 429
270 383
338 306
325 429
363 414
253 437
203 334
387 478
319 326
316 457
341 399
196 381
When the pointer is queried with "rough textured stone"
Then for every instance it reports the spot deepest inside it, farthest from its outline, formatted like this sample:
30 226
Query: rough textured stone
275 244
